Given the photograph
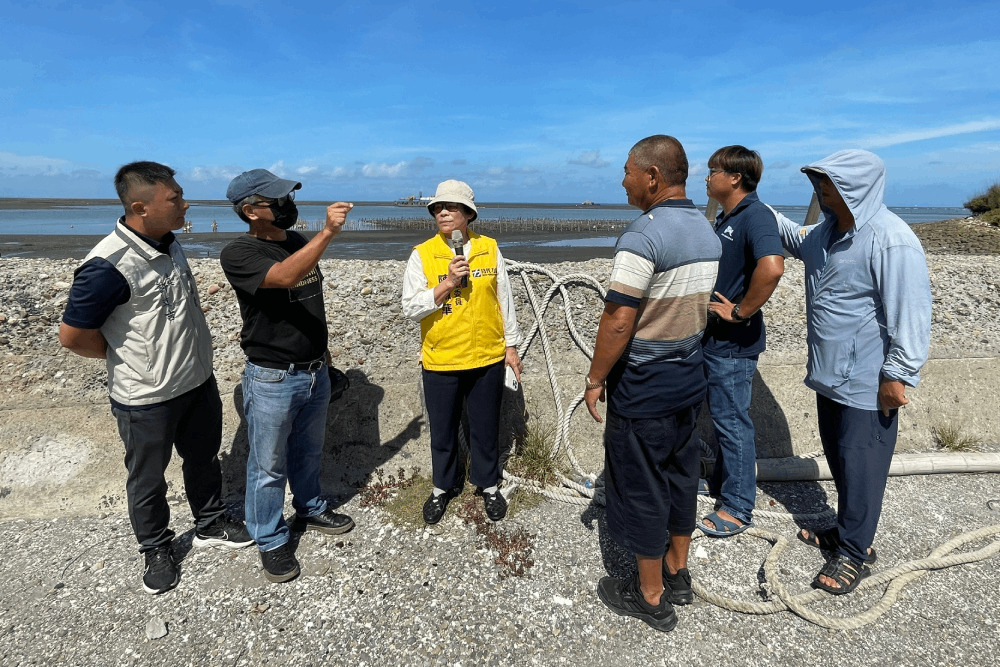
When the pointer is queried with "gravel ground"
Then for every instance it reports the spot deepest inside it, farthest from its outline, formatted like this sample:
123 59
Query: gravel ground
394 594
383 594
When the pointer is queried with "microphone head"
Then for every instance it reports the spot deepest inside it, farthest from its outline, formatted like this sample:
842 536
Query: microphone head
456 236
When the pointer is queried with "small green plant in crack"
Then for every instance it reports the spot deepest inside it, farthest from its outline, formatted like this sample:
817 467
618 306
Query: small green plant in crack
513 548
950 438
377 493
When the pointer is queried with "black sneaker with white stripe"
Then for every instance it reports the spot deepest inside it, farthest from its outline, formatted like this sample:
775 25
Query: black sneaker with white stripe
161 573
225 531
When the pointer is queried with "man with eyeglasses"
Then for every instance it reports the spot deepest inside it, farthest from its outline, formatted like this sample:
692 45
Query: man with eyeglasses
752 263
286 387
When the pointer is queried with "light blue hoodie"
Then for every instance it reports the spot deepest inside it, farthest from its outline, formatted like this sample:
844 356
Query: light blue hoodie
868 296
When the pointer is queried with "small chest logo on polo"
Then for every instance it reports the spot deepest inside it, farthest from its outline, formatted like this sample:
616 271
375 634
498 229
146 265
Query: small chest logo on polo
728 233
478 273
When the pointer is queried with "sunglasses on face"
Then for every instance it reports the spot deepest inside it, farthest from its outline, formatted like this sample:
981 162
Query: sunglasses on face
438 207
276 203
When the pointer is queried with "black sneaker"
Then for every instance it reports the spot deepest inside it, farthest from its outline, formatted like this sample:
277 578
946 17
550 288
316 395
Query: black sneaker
625 599
161 573
435 506
339 383
678 586
225 531
280 564
327 522
494 504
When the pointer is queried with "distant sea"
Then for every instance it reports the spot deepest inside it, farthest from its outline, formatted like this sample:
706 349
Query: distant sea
99 220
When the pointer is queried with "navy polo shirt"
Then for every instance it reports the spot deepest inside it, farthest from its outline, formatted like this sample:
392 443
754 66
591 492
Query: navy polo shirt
748 233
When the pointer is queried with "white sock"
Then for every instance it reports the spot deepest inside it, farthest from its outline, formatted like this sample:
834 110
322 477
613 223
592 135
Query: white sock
438 492
491 490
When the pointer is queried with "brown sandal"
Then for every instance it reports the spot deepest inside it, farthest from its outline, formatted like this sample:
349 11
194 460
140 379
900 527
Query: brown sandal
846 572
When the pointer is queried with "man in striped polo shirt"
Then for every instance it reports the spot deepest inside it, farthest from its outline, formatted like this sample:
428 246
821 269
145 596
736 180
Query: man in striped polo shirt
648 366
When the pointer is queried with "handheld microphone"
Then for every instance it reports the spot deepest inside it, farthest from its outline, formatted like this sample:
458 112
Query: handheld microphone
456 244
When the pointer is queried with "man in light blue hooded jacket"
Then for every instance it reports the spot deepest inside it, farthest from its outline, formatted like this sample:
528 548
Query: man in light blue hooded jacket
868 306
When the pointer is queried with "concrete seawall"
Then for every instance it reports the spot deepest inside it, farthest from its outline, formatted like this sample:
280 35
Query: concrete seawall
67 458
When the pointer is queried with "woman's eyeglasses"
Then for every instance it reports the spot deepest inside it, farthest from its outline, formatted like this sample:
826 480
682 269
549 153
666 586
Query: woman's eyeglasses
438 207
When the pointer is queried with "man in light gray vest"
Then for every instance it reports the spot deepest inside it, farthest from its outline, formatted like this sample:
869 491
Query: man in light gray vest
135 304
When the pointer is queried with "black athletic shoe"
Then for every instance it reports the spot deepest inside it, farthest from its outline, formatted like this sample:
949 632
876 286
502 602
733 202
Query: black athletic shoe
625 599
226 532
280 564
678 586
327 522
161 573
435 506
494 504
339 383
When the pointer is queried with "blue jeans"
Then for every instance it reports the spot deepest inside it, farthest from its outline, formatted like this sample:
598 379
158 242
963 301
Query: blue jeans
286 427
730 383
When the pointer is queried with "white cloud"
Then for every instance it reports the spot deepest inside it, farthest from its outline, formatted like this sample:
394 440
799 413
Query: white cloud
932 133
12 163
589 159
382 170
213 173
303 171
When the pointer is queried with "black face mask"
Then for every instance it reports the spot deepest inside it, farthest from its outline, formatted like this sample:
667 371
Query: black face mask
286 215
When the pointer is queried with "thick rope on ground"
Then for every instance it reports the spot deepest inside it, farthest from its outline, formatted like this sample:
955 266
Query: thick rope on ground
897 577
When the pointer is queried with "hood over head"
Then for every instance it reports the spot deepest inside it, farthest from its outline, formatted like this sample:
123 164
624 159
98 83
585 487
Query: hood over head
859 177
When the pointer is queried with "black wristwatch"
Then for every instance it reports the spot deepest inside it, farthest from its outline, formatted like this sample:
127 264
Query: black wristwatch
735 314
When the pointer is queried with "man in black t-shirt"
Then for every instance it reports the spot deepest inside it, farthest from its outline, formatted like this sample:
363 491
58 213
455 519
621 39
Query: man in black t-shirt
286 387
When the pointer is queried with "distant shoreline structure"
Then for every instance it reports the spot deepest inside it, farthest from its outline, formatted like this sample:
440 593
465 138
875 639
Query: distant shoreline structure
38 203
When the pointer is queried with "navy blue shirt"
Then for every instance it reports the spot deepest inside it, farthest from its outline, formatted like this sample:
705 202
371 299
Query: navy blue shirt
98 287
748 233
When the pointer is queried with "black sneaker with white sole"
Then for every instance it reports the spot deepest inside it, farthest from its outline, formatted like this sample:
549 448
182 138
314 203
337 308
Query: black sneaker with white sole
280 564
225 531
161 572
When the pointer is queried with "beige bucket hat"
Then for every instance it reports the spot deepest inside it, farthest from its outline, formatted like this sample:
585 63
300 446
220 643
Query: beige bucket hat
457 192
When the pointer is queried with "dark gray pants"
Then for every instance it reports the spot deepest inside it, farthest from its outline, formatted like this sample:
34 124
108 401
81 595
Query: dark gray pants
192 423
858 445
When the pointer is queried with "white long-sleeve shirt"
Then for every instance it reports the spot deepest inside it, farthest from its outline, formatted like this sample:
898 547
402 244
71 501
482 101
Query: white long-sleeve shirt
418 298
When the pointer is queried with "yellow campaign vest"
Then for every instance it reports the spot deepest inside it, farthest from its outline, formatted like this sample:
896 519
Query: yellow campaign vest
467 331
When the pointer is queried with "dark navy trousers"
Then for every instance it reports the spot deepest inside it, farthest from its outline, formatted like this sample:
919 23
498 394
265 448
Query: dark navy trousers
192 423
858 445
444 392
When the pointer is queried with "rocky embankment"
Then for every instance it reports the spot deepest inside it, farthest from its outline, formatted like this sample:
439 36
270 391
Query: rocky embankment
368 333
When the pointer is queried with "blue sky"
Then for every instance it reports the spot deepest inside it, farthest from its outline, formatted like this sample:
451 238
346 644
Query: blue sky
527 101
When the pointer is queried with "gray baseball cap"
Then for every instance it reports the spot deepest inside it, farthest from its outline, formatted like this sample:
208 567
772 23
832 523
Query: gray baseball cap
259 182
